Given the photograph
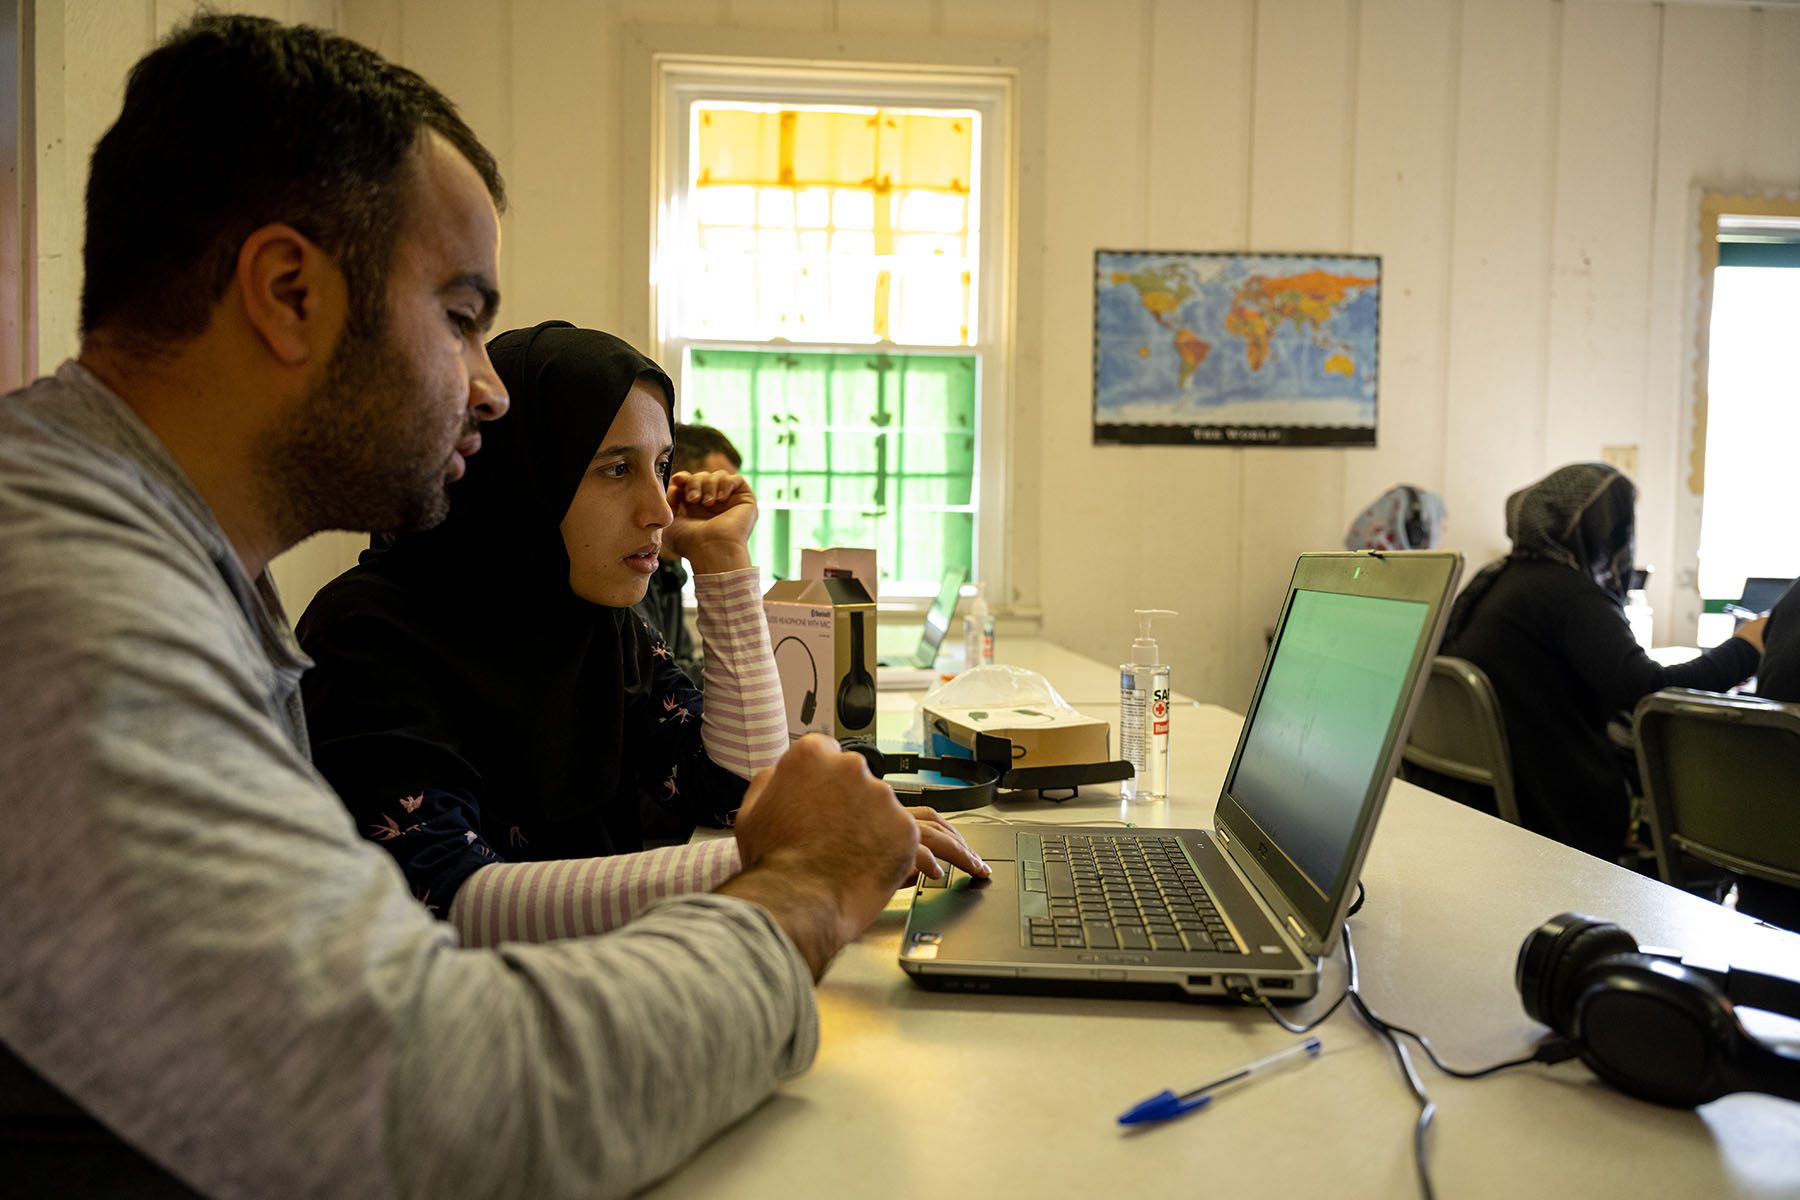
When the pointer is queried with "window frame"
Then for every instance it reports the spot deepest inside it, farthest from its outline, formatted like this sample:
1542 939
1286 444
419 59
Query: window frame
1715 206
679 79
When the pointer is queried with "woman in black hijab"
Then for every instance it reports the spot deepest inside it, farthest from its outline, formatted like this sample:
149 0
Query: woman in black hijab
1547 625
484 698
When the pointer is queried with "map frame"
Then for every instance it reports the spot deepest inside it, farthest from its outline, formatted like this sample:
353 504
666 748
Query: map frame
1184 419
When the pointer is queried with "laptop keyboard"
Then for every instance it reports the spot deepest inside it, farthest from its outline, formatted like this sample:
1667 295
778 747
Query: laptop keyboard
1117 893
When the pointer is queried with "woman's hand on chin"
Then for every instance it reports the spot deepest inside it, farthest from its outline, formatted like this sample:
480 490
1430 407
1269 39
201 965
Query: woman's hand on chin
715 512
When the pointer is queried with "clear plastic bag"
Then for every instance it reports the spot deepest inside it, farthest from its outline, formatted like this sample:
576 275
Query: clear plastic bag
995 685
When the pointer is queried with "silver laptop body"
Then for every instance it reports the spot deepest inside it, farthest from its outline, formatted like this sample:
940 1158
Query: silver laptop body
1259 897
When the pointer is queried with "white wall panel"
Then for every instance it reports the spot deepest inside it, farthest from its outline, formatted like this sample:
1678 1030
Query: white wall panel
1599 271
779 14
675 12
1499 255
996 18
886 16
562 235
1400 209
1773 144
1085 496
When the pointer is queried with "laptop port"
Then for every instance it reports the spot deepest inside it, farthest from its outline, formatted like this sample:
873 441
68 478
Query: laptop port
1199 981
1273 984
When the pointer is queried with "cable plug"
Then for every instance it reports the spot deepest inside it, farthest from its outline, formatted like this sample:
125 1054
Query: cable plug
1238 987
1555 1050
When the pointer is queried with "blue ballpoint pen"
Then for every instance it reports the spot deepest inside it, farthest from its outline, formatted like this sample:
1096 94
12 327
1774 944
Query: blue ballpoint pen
1166 1104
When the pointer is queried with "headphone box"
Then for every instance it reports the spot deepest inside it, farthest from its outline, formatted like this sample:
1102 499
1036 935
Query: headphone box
823 634
1041 736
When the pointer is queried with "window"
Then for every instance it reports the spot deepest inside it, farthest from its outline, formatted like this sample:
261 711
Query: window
1752 410
825 273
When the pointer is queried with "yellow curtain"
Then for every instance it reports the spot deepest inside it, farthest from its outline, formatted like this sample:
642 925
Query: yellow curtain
879 150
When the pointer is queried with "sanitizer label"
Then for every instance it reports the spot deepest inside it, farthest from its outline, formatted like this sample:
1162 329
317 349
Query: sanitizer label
1134 746
1159 713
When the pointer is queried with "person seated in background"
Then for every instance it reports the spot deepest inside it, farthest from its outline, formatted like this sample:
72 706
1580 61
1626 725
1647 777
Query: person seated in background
1402 518
697 448
1778 678
487 704
1547 625
208 980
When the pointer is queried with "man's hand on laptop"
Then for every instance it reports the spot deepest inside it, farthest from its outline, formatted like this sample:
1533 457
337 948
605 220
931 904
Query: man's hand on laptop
939 839
824 845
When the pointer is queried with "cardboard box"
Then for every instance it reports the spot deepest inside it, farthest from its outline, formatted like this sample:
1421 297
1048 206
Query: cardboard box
1041 736
823 635
839 561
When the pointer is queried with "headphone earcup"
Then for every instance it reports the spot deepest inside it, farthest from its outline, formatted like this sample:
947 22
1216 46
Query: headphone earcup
856 701
1553 958
1655 1030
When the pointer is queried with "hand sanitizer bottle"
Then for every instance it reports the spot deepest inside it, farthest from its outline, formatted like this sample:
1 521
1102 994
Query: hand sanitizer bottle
978 632
1144 713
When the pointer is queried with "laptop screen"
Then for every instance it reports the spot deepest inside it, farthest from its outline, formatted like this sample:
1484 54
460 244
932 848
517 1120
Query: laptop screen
937 620
1761 592
1315 741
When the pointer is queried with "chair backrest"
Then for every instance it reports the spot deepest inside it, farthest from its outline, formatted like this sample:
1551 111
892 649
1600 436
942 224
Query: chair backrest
1457 731
1721 779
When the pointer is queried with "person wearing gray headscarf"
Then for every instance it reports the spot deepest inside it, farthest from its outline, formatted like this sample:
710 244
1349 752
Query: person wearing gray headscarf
1547 625
1402 518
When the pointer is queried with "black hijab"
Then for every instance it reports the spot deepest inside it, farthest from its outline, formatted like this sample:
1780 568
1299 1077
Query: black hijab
1582 516
459 654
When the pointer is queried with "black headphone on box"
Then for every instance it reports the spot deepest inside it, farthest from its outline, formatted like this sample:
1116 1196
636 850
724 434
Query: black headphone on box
979 779
1647 1022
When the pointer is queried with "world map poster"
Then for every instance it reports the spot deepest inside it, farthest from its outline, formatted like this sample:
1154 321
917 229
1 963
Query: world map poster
1235 349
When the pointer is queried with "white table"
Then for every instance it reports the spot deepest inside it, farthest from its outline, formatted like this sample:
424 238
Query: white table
1078 679
917 1092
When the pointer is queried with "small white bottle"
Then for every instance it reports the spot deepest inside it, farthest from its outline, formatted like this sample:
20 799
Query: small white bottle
978 632
1144 713
1640 616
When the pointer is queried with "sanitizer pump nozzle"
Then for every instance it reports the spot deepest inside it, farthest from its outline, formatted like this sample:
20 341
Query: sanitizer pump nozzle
1144 712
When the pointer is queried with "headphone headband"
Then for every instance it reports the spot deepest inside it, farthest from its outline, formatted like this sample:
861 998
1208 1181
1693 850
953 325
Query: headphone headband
979 779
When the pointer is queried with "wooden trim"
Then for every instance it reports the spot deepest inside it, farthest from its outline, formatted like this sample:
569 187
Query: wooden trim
1714 205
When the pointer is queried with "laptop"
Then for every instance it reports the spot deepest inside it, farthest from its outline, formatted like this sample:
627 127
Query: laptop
916 670
1760 594
1259 897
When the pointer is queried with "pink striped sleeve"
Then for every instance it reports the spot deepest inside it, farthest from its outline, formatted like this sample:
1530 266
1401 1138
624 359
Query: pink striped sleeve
744 724
541 901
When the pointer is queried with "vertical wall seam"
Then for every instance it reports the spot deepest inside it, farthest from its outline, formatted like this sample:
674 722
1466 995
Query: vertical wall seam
1250 127
1452 173
1656 203
1147 108
1234 654
1747 177
1352 115
1553 120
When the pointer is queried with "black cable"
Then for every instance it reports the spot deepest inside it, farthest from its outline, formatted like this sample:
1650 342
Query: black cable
1427 1110
1249 995
1555 1050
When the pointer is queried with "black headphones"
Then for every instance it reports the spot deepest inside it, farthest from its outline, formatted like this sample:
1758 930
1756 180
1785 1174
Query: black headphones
856 691
1648 1023
979 779
809 703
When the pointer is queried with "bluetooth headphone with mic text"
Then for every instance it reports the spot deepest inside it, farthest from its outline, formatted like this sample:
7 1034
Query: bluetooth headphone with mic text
1649 1023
